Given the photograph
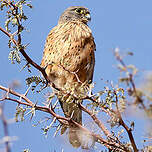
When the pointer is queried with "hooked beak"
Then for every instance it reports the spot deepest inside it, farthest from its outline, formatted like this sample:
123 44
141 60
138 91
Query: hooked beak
88 17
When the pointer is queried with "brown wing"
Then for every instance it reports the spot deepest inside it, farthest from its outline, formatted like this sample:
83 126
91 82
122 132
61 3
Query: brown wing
69 48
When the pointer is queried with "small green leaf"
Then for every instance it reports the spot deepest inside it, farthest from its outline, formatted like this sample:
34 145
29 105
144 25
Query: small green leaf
14 55
7 25
14 21
29 5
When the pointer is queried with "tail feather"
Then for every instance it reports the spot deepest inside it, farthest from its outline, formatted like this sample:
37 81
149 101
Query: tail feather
72 110
74 137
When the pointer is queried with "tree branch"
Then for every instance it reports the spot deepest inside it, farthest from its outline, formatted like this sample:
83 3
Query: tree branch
16 94
96 120
139 99
67 121
122 123
5 126
130 78
29 60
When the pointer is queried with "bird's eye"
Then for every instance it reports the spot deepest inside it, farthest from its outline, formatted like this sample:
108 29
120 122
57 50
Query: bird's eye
79 11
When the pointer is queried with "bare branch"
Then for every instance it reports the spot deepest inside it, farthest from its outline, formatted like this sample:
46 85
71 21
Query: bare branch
135 91
130 78
5 126
96 120
119 58
122 123
16 94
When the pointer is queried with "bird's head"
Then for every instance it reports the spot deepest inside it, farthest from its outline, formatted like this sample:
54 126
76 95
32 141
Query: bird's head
75 13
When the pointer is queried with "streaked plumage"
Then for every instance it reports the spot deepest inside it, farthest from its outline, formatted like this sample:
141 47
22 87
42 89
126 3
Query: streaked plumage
69 60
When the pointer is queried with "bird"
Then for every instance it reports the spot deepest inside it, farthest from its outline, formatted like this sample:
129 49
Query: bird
69 60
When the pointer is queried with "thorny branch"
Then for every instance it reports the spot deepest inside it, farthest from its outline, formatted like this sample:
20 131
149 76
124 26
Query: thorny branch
138 98
109 144
130 78
29 60
97 121
122 123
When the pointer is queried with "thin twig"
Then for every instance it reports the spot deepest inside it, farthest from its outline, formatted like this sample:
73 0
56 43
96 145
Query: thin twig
5 126
119 58
98 138
139 99
135 91
29 60
74 72
16 94
96 120
122 123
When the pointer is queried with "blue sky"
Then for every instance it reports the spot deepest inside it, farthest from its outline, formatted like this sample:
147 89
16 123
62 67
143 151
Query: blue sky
123 24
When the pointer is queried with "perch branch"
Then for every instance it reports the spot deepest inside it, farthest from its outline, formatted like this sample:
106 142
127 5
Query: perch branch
29 60
61 119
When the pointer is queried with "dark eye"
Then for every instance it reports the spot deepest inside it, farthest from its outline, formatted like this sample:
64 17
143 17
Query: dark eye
79 11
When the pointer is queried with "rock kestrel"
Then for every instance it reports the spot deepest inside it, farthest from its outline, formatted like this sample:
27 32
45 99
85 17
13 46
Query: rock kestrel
69 60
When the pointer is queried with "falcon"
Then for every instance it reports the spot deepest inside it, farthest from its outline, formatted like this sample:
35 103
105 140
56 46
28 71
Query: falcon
69 60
